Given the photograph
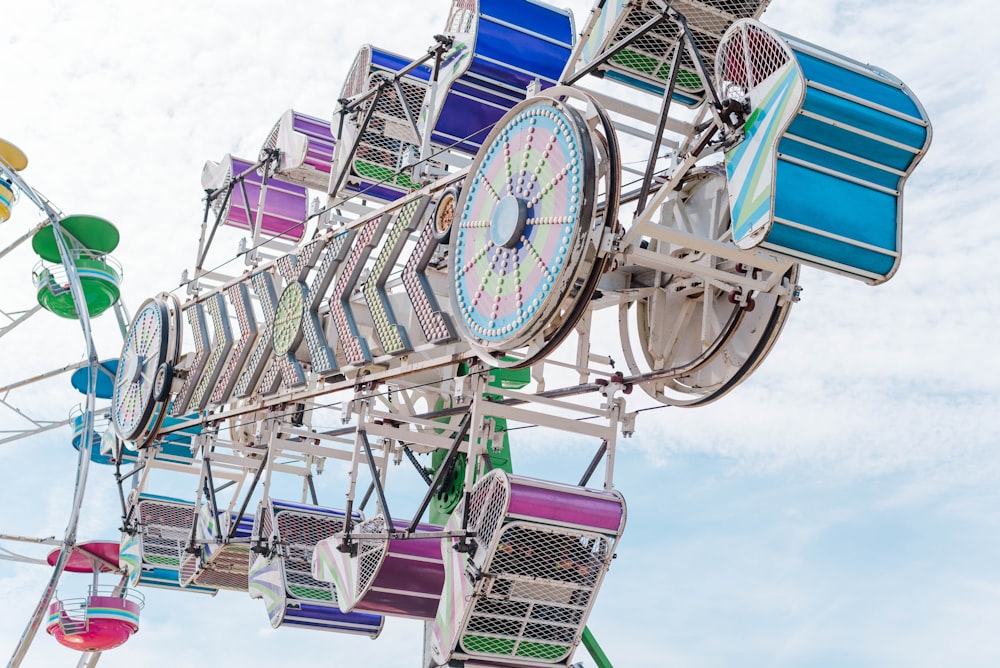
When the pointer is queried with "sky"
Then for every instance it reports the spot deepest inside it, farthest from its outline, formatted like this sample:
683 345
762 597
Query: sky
838 508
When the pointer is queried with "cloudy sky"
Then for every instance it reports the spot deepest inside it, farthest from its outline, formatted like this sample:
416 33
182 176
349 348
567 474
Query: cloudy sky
838 509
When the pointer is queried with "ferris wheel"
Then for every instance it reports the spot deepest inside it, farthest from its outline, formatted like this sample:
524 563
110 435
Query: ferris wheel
516 230
75 278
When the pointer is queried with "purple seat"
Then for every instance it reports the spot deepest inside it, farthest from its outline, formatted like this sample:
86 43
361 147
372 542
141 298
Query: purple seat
237 201
397 578
522 595
305 148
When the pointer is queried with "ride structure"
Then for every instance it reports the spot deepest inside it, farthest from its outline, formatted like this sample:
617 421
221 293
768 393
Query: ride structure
516 230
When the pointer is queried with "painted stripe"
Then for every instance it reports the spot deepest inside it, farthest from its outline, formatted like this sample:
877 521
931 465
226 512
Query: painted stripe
840 175
836 237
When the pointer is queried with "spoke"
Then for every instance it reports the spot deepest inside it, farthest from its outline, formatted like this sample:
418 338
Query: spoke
489 273
508 167
547 188
489 188
467 267
516 271
471 224
552 220
534 254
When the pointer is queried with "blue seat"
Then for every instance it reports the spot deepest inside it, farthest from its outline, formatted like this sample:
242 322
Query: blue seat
99 425
105 385
500 48
829 144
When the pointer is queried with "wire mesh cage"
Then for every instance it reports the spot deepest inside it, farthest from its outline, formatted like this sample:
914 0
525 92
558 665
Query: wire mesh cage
523 590
379 140
636 42
281 572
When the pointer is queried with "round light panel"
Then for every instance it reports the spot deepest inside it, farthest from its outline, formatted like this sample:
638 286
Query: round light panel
152 341
526 239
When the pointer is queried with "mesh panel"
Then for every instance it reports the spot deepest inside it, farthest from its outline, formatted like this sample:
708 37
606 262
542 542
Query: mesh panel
358 74
463 13
389 144
299 533
188 569
649 56
166 528
487 508
749 55
220 203
226 569
543 582
272 138
265 518
370 552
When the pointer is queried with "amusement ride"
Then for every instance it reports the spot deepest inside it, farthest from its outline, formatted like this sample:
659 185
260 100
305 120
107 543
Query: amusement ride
535 223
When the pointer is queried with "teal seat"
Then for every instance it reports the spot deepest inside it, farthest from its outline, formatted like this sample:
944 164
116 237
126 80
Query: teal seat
829 144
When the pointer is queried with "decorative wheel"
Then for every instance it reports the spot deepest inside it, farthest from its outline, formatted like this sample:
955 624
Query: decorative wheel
704 333
528 243
287 330
145 369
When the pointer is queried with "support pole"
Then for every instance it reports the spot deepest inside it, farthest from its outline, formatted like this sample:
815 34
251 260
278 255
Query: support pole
596 653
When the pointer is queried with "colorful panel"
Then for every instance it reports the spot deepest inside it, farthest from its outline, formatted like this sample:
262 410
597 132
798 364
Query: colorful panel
239 297
263 287
199 332
829 144
222 343
354 345
434 323
391 334
144 350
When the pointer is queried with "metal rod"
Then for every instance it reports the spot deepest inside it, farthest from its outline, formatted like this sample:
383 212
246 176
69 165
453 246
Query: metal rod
80 303
118 484
246 499
416 464
607 55
714 102
367 496
460 434
594 649
312 490
593 464
376 480
342 176
21 318
21 239
203 243
210 490
661 124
